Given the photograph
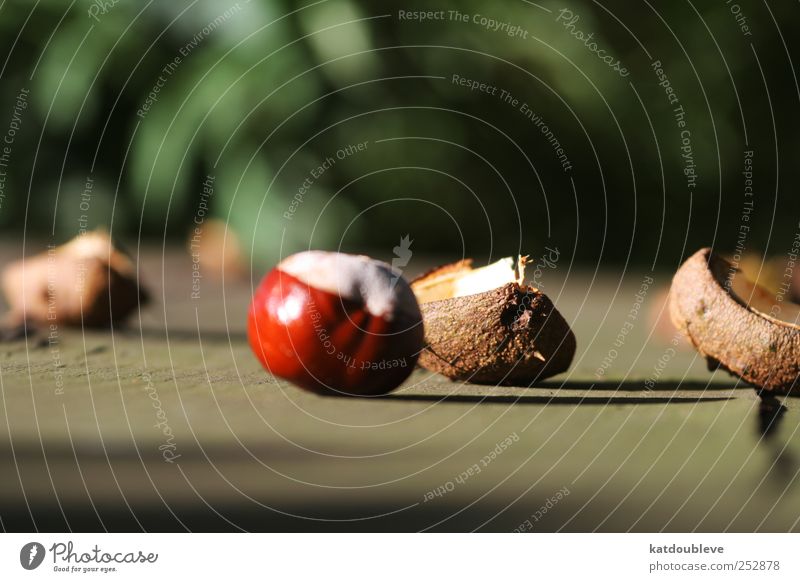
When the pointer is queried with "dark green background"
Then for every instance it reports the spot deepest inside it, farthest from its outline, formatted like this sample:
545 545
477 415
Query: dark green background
279 79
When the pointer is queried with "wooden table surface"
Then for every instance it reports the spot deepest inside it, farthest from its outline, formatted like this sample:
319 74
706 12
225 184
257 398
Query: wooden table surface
171 424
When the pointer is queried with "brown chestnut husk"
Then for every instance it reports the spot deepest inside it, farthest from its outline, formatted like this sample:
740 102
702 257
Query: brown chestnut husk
737 324
487 327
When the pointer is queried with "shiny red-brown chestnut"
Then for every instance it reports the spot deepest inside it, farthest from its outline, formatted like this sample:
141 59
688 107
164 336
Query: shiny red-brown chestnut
336 323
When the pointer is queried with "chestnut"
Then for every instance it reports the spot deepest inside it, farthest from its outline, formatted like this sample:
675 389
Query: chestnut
87 282
336 323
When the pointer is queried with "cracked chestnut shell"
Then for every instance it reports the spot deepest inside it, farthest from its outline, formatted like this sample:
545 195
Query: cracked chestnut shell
735 324
486 326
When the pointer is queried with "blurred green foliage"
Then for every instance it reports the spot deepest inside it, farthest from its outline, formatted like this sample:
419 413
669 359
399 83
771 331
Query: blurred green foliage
261 93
